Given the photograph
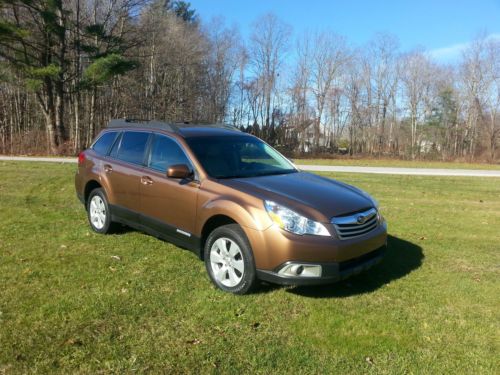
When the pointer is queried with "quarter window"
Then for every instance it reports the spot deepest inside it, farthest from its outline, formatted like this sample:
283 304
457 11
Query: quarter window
102 145
132 147
164 153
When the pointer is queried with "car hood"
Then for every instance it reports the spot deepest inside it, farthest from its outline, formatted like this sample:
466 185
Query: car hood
306 193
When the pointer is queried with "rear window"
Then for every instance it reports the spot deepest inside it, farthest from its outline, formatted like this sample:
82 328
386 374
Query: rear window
132 147
102 145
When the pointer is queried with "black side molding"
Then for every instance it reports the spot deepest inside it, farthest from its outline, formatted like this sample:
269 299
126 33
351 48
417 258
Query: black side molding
156 228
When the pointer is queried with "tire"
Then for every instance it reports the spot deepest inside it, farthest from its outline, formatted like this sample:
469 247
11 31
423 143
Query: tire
99 213
229 260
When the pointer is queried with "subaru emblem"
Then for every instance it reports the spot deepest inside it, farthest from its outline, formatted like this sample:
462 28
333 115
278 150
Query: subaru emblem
361 219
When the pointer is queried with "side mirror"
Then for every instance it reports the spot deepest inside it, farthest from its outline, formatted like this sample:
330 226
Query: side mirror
181 171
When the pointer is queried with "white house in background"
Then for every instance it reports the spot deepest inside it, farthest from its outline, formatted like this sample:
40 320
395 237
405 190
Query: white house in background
427 146
307 138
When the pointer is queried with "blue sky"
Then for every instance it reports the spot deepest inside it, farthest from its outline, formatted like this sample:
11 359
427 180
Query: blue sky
441 26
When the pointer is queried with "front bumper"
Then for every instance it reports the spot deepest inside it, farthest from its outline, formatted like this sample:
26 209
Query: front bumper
331 271
274 247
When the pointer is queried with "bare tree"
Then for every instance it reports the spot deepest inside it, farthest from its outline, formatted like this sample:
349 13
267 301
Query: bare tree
477 71
302 114
268 45
223 60
328 58
383 65
491 96
416 77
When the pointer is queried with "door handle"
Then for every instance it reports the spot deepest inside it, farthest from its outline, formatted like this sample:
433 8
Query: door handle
108 168
146 180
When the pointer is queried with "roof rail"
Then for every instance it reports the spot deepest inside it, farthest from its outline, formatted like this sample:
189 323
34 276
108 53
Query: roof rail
128 122
154 124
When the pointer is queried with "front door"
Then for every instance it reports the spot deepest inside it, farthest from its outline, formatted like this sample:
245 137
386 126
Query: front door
168 205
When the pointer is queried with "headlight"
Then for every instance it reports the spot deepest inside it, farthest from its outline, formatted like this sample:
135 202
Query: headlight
293 222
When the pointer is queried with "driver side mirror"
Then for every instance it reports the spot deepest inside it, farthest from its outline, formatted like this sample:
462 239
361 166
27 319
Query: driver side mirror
181 171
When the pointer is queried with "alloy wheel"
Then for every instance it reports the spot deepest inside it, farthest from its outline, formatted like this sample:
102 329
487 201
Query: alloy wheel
97 212
226 260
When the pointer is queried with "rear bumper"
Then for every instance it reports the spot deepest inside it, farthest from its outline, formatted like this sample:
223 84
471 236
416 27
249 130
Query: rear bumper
331 271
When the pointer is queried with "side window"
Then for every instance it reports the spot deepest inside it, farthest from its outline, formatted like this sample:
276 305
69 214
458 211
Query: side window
132 147
102 145
164 153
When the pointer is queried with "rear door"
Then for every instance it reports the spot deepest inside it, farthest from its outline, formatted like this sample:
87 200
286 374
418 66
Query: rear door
168 205
123 170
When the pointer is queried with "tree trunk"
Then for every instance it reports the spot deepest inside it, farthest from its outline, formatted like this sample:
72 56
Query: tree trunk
51 132
90 135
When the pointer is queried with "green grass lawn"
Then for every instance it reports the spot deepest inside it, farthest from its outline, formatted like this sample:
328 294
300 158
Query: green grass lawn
397 163
72 301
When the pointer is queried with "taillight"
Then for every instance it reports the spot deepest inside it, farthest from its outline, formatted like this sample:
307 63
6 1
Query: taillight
81 157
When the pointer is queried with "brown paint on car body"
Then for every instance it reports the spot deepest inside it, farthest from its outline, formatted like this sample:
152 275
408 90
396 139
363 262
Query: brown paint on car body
189 204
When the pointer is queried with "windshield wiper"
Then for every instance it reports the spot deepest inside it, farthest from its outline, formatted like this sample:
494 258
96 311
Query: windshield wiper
232 176
271 173
268 173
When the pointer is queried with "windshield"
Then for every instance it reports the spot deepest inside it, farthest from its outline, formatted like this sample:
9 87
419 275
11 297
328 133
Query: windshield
238 156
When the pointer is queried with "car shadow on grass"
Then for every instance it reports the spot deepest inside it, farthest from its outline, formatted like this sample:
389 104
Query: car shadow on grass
401 258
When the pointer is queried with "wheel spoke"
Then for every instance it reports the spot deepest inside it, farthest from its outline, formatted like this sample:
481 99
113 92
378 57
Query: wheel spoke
221 244
215 257
221 274
233 250
239 265
233 278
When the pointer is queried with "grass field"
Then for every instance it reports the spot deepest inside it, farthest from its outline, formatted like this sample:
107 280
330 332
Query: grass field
397 163
72 301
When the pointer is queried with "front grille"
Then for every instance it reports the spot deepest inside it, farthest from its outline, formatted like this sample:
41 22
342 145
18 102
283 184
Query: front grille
355 225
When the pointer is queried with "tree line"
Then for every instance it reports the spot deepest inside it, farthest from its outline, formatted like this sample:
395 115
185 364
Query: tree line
68 66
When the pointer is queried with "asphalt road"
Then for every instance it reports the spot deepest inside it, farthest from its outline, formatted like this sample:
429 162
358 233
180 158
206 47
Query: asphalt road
328 168
406 171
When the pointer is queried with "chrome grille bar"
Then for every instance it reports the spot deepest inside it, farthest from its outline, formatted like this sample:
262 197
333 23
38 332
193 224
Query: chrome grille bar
355 225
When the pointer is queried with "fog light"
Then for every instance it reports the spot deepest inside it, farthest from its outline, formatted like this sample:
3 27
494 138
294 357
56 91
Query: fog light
296 269
301 270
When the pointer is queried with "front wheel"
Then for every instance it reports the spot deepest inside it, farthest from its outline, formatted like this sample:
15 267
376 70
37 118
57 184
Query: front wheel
229 259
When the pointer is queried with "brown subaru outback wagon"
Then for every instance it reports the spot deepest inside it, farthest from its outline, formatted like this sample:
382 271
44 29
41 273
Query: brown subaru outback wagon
233 200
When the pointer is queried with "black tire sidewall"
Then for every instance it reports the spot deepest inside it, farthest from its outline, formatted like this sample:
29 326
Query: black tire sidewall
235 233
107 223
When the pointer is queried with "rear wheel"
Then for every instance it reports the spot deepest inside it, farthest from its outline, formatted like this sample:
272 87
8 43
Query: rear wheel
98 212
229 259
